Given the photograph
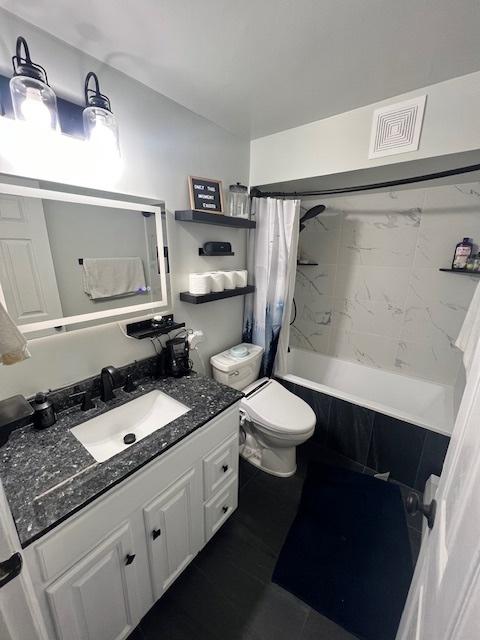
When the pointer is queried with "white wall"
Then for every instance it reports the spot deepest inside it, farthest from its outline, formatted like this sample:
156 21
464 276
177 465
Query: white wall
341 143
377 296
162 143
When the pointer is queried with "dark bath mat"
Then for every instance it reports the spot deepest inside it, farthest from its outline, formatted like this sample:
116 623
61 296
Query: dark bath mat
347 554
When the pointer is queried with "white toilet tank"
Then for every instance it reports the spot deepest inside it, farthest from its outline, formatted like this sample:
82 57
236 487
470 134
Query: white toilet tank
239 366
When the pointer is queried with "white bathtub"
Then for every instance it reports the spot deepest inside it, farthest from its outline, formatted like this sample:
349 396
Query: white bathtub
420 402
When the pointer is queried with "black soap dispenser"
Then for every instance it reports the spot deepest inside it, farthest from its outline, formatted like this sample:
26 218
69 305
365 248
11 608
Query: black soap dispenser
44 415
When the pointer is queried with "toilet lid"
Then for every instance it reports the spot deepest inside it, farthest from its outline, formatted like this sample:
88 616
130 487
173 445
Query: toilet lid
277 409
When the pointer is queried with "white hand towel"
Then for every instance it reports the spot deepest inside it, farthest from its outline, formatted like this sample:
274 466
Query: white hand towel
13 346
470 332
110 277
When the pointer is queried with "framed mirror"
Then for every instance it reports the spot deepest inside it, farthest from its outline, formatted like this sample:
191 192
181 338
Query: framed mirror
78 257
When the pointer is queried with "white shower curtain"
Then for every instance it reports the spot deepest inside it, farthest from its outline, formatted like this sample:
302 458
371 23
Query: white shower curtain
470 332
272 259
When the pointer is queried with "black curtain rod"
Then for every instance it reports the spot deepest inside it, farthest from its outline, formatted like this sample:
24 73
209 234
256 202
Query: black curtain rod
257 193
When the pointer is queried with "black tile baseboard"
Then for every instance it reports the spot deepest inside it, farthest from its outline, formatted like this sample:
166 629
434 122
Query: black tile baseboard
321 404
396 446
410 453
431 460
350 430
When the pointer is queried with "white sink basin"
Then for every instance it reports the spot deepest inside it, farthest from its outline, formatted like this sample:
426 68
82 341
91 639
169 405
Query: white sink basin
103 436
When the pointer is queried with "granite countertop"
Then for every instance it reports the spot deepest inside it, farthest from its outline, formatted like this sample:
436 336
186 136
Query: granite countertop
48 475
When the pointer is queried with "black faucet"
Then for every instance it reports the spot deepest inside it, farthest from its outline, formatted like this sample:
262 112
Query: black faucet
109 380
130 384
86 399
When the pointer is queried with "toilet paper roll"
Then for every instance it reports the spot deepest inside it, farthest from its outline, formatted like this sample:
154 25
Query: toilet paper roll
217 281
199 283
241 277
230 279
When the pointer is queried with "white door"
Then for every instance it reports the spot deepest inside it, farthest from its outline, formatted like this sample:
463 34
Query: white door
444 598
171 520
27 274
98 598
20 617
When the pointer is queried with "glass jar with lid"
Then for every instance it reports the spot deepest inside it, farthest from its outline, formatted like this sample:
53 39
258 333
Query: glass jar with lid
238 204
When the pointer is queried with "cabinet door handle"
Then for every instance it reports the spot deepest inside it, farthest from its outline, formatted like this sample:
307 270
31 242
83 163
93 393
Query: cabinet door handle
129 558
224 509
156 533
10 568
225 468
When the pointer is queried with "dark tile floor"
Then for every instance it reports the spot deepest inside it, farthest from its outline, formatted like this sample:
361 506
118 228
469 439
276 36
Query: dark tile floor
227 593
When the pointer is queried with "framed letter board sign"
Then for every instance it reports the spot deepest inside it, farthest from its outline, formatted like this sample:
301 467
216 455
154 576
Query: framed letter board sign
206 195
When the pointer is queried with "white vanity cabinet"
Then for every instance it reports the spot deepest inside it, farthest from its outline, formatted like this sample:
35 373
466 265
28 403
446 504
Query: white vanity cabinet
101 570
170 521
98 596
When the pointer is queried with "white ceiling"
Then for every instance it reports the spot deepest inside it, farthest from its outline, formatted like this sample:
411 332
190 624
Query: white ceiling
260 66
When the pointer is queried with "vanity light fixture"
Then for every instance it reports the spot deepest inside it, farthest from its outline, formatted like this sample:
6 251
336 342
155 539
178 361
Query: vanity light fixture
33 100
101 128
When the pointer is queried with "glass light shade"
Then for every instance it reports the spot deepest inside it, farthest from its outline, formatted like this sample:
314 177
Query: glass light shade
34 102
101 129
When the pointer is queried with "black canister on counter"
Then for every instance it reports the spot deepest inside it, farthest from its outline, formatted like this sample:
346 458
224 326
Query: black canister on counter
44 415
15 412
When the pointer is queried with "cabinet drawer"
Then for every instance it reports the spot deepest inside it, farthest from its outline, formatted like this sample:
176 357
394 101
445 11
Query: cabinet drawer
220 466
220 507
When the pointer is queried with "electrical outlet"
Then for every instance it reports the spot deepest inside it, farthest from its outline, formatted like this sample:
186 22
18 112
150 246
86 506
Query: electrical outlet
196 338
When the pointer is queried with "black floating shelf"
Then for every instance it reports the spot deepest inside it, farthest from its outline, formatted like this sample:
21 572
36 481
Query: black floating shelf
210 297
214 218
307 264
464 272
201 252
145 328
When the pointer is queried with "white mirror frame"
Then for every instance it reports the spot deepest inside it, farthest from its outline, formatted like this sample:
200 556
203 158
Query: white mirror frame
136 204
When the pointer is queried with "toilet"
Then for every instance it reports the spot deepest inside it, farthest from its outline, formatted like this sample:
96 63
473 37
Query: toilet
273 421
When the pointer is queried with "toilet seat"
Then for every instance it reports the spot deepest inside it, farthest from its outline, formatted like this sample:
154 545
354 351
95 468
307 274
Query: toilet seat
276 410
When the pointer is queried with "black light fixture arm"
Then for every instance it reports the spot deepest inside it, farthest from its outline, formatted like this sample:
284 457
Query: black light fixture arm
21 42
23 65
257 193
94 97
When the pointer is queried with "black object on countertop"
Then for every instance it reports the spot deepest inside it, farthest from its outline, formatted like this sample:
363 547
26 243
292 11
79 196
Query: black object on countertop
15 412
348 553
130 384
177 359
44 412
87 402
160 371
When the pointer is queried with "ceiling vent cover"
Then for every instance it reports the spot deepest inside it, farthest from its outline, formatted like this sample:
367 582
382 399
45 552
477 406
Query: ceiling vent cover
397 127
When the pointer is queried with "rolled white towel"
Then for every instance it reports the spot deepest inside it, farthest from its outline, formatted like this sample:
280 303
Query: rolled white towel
241 277
217 281
230 279
13 346
199 283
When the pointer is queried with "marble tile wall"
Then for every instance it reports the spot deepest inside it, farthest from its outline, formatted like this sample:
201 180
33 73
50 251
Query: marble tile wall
377 296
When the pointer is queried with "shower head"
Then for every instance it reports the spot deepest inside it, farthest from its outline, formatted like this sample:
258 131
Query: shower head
311 213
